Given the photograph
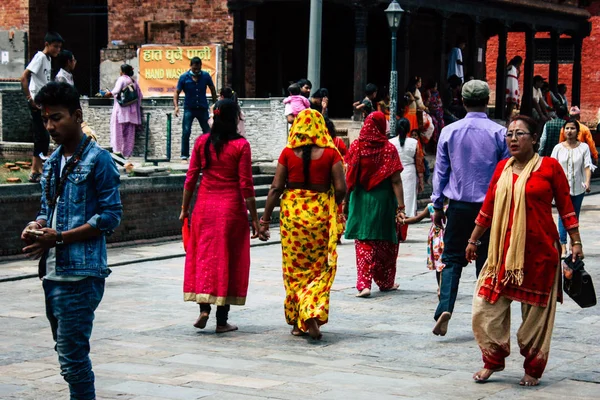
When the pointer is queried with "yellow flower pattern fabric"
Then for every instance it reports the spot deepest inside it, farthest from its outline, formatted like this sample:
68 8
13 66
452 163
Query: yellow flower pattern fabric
309 129
309 235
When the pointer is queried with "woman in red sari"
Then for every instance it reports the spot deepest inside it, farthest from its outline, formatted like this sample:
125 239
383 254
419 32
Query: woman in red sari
217 264
523 259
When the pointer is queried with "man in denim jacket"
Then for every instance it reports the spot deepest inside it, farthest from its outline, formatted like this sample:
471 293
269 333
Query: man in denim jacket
80 206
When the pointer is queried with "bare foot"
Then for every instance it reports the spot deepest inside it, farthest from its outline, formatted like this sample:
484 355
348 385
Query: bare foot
441 326
226 328
484 374
201 321
364 293
529 380
395 287
313 329
297 332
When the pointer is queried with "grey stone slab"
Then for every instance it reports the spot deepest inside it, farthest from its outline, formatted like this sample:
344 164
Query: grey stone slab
8 389
161 391
210 361
133 369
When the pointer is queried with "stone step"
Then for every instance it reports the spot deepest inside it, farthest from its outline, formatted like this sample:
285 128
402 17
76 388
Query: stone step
262 179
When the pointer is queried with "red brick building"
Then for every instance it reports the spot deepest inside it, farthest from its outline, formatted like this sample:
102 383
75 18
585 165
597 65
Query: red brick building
590 82
355 40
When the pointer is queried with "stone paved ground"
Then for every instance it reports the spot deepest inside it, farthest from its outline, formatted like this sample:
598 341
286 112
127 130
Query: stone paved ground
144 346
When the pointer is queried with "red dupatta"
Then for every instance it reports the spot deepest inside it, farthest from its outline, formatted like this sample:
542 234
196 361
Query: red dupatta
372 158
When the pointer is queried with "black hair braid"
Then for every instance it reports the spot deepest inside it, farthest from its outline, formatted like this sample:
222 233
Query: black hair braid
69 167
306 159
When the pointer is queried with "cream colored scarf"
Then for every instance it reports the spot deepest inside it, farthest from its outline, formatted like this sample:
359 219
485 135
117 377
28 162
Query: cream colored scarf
515 255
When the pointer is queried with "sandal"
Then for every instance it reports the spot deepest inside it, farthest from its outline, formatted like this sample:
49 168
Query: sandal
35 177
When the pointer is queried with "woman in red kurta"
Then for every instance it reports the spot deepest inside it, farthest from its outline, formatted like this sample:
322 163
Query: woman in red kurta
523 259
217 265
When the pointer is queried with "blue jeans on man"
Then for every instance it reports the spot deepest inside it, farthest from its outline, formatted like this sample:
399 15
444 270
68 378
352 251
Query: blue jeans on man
577 201
70 309
189 114
460 223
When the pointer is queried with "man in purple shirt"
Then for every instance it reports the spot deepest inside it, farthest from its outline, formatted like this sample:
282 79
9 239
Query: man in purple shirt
467 153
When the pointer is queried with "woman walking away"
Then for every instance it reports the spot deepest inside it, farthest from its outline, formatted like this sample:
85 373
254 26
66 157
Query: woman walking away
310 177
523 259
125 118
513 70
576 161
376 202
217 264
411 157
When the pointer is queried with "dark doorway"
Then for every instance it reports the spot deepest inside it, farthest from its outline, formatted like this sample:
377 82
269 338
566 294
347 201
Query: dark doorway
84 26
282 32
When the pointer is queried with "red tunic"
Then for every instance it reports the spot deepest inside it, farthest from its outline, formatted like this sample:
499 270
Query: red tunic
541 255
320 168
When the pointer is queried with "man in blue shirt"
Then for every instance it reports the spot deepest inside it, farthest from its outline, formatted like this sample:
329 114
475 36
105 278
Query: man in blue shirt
467 154
80 207
193 84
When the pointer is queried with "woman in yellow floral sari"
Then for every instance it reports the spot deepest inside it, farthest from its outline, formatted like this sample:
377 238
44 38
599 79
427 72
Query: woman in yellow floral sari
310 176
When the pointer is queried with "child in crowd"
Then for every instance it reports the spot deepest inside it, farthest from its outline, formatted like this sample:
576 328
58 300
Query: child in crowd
435 242
295 103
366 106
67 63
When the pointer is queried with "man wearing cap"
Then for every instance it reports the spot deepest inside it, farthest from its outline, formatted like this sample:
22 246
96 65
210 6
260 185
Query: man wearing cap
540 108
585 135
467 153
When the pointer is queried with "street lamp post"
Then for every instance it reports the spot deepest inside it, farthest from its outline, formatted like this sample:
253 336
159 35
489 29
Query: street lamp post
394 15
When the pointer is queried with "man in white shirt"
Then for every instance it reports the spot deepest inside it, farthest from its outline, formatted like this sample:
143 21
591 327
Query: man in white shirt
67 63
36 76
455 63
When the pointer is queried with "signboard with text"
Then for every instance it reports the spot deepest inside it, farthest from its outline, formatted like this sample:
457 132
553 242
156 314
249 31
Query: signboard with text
161 66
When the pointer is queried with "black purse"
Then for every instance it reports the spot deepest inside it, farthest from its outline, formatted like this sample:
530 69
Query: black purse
579 286
128 95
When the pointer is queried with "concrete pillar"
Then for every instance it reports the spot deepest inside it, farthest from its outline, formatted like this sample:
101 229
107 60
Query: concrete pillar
314 43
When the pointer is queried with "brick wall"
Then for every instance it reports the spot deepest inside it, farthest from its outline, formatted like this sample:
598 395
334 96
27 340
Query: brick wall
206 21
14 14
590 80
266 128
150 210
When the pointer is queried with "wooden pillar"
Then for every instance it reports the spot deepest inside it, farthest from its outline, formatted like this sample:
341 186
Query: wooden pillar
475 65
576 83
527 100
442 50
239 50
404 59
361 18
553 78
501 74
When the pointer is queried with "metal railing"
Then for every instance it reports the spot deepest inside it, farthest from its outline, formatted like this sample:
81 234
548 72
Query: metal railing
155 161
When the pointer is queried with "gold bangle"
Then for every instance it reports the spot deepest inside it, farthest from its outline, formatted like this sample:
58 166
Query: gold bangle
577 242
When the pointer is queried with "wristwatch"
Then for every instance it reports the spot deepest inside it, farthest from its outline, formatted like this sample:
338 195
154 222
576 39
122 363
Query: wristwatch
59 238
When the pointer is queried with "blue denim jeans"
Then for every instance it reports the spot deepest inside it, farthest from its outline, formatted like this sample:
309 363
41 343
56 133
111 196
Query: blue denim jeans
70 309
460 222
189 114
577 201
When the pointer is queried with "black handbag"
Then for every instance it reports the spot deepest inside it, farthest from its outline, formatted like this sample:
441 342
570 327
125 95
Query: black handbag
128 95
579 286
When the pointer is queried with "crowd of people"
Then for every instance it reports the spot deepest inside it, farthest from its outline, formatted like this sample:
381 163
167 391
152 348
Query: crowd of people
493 191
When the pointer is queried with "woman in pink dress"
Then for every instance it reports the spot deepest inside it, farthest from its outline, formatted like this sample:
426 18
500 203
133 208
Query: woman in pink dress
125 119
217 264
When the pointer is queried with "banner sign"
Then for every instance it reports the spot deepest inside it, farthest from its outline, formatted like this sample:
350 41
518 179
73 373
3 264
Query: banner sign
162 65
